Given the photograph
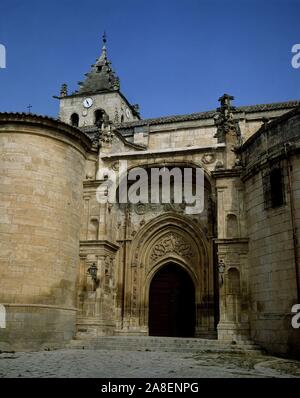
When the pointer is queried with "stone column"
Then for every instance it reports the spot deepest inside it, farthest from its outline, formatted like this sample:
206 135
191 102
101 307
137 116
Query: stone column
232 250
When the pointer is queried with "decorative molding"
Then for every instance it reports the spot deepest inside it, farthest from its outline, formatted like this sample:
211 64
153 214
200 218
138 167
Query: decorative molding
143 208
134 299
42 306
176 207
160 152
96 247
92 183
227 173
231 241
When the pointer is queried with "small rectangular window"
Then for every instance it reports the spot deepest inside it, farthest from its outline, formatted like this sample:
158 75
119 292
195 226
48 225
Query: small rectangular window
273 186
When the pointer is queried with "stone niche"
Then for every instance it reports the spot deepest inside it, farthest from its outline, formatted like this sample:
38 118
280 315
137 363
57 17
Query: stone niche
41 172
96 295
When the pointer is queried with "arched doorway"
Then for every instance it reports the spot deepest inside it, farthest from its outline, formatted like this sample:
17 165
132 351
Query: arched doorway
172 303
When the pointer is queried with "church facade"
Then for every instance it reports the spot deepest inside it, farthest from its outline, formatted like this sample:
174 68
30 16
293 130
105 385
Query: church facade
72 266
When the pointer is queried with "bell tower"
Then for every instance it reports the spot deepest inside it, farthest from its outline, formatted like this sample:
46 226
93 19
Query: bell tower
98 98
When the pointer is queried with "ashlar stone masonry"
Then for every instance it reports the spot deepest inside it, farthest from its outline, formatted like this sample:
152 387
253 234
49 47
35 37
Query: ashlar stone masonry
74 268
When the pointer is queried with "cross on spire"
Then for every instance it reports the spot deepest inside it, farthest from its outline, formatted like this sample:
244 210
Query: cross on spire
225 101
104 39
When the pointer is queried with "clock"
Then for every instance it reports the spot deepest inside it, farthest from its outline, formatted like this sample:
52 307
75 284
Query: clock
127 111
87 102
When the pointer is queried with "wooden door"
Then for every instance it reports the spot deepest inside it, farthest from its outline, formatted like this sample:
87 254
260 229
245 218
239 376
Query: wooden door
172 303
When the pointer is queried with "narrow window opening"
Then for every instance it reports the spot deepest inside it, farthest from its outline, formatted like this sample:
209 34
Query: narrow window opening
273 185
99 117
276 182
75 120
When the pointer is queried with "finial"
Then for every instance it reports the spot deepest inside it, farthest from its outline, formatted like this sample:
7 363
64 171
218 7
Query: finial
64 90
104 38
225 100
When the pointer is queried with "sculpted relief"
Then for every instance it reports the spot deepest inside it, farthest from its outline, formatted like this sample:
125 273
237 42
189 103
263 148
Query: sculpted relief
143 208
172 244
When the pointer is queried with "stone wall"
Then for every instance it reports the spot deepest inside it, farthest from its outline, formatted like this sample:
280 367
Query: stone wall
182 131
114 104
183 143
272 268
41 171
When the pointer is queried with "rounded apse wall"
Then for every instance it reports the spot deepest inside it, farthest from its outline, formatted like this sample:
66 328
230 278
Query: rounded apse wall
42 164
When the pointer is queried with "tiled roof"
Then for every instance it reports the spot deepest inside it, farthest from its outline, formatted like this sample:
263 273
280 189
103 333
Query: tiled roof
23 117
270 125
209 114
26 115
101 78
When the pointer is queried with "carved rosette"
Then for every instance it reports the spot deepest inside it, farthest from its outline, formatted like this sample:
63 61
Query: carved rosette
172 244
143 208
209 158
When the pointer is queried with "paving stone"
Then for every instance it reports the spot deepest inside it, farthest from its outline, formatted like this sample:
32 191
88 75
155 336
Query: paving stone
126 364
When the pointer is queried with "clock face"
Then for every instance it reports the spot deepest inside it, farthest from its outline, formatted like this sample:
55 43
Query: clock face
88 102
127 111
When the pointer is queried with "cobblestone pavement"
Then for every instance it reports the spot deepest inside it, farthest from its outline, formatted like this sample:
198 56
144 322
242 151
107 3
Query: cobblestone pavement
107 364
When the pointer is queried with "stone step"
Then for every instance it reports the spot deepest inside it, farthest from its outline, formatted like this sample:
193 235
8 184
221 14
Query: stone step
165 344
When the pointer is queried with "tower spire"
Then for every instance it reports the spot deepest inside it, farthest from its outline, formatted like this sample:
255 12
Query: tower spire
101 77
104 38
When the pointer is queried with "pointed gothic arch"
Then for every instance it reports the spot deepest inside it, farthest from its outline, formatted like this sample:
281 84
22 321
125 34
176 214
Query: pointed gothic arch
170 238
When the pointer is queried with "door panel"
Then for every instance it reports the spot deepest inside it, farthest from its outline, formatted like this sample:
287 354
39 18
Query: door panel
172 303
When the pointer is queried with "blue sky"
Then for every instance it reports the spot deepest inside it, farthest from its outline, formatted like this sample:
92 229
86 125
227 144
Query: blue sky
172 56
